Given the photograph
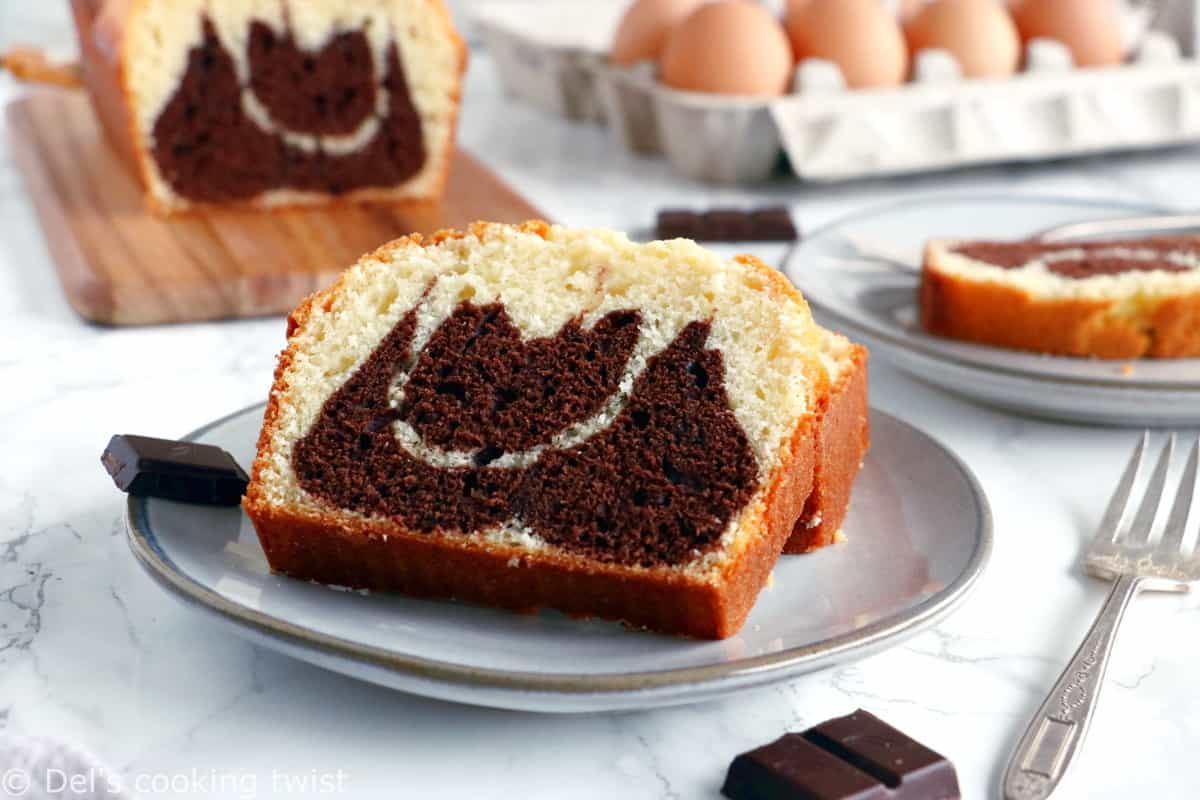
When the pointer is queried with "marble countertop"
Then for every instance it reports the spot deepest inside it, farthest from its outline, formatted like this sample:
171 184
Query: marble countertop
92 652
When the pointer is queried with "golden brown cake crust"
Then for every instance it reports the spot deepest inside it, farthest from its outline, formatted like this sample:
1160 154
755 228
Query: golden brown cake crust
105 79
102 76
381 555
1007 316
843 436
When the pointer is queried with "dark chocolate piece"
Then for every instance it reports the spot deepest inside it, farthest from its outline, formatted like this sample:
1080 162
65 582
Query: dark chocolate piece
856 757
677 224
769 224
187 471
773 224
727 225
656 486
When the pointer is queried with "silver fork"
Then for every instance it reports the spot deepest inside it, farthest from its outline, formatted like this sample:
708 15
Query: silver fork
1135 559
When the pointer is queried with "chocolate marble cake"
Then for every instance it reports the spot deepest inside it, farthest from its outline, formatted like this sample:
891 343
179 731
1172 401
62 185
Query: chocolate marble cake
276 102
533 417
1113 299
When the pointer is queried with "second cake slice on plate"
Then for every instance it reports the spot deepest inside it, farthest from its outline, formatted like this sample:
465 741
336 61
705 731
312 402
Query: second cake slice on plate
533 417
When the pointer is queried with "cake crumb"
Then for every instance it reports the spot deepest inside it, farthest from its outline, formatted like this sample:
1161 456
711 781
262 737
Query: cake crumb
339 588
839 536
1127 369
770 579
814 522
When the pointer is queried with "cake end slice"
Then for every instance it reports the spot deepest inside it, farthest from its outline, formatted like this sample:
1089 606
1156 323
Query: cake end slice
1114 299
842 436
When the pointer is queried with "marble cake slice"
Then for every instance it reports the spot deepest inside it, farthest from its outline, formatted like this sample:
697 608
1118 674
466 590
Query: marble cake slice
841 439
270 103
535 417
1115 299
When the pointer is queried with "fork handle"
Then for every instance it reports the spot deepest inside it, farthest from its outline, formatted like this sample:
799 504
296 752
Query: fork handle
1057 731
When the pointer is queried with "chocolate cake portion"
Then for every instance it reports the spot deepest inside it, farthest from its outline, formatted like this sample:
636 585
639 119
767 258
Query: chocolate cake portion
657 486
209 150
1078 260
662 483
476 385
331 91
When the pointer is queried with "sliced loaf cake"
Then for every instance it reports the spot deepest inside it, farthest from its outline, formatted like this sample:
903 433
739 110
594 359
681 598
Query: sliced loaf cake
276 102
1114 299
533 417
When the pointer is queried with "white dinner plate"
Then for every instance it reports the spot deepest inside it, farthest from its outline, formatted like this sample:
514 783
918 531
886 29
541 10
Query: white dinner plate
918 535
877 305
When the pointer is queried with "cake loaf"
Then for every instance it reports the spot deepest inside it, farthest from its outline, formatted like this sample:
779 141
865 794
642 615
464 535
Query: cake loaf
532 417
1114 299
275 102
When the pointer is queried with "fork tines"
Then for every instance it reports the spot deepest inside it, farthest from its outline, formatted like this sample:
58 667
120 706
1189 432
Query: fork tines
1140 532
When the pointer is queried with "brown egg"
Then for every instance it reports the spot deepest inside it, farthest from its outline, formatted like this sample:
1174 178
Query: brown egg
643 30
979 33
728 47
903 8
860 36
907 9
1091 29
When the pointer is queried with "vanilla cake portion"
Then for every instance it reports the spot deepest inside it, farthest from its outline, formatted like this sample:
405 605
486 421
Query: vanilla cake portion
281 102
534 416
1114 299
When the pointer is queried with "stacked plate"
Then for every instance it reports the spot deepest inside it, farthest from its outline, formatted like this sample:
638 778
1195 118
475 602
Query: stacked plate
860 274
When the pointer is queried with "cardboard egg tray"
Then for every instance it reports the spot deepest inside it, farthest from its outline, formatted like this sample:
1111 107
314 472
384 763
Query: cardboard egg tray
830 133
550 53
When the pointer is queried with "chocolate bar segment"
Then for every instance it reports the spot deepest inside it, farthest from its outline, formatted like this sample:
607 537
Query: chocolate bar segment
727 225
773 224
793 768
769 224
856 757
186 471
677 224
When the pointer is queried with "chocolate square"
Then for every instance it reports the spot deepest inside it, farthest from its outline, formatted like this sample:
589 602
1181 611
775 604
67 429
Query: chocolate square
185 471
677 224
727 225
773 224
856 757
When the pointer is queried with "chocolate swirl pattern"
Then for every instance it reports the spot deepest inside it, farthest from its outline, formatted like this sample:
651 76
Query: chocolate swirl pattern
321 121
331 91
658 485
1079 260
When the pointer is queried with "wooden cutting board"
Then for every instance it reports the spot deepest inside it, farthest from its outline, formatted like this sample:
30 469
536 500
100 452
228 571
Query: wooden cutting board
121 265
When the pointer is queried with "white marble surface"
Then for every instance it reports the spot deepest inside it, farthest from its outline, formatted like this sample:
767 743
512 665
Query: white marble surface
93 653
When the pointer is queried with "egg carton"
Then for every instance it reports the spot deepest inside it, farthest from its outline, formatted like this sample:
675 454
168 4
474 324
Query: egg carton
549 54
553 55
936 122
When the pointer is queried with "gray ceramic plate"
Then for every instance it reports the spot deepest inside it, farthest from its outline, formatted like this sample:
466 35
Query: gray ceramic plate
918 533
878 306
